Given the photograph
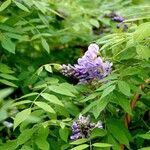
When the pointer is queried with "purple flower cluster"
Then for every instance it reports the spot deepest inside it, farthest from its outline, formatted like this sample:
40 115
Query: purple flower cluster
115 17
82 127
118 19
89 67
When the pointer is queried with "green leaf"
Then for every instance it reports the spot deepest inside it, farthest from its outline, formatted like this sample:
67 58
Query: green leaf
21 116
48 68
64 133
94 104
142 32
145 148
10 145
40 6
107 91
101 105
7 83
39 70
144 136
25 136
21 103
79 141
143 51
5 5
85 110
94 22
118 130
45 45
124 88
8 45
130 71
101 145
123 102
26 147
28 95
80 147
8 76
45 106
21 6
52 98
60 90
13 35
90 97
9 29
5 69
41 138
113 141
98 133
5 92
104 86
69 87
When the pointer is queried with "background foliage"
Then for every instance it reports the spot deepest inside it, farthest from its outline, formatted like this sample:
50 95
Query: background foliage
38 104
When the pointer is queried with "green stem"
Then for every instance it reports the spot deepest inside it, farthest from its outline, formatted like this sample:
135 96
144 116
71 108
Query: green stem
90 145
38 96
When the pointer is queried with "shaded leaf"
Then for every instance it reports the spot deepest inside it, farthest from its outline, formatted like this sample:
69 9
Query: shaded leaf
8 45
144 136
124 88
21 6
8 76
41 138
7 83
45 45
108 90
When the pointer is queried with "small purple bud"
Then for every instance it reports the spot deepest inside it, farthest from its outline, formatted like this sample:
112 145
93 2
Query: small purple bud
74 126
118 19
94 48
76 136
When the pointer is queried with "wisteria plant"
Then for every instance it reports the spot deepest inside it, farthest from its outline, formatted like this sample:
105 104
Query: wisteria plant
74 75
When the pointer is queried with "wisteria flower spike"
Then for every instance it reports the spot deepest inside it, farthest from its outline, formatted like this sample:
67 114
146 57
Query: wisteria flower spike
89 67
82 127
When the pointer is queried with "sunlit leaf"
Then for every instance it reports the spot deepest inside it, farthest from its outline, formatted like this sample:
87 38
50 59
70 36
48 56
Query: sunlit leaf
5 5
45 106
21 116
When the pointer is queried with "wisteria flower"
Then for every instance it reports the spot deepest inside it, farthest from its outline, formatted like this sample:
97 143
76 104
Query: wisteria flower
90 66
82 127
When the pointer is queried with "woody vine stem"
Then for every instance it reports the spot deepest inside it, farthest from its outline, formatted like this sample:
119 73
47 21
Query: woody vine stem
136 97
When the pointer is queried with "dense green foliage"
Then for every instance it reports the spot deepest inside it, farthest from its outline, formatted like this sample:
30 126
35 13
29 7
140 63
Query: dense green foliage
40 104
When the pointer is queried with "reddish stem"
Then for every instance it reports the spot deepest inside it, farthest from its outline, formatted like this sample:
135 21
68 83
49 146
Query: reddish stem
136 97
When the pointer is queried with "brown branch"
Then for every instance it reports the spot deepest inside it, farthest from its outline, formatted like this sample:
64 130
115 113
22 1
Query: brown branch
136 97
